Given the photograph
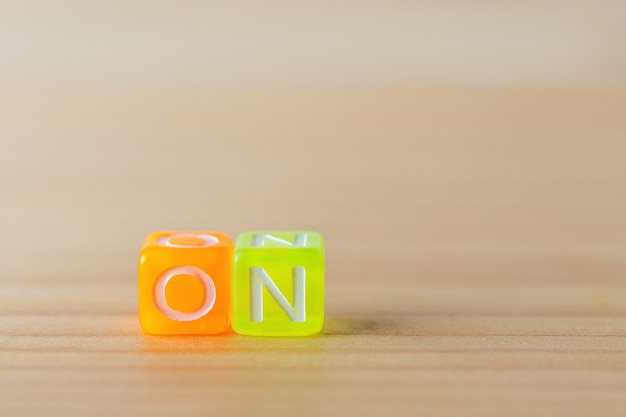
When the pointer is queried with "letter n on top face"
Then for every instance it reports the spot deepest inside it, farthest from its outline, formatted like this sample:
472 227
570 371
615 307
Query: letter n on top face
278 283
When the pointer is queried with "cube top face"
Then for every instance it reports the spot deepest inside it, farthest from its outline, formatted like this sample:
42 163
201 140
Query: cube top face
187 240
184 283
285 240
278 284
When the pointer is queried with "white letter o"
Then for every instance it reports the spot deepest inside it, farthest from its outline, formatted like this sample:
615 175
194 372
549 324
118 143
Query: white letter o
159 293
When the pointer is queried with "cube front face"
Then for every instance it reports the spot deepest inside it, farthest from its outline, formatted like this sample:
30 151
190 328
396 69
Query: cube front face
278 284
185 283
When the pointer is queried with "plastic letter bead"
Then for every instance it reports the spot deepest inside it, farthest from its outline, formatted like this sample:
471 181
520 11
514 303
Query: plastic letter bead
184 283
278 284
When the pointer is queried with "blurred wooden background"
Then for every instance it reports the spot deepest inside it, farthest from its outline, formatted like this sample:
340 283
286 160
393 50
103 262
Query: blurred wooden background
464 161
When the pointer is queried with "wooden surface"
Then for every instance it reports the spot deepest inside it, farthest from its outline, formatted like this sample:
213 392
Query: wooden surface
465 162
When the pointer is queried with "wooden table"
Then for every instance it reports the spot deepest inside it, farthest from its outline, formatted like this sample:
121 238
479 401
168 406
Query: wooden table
474 218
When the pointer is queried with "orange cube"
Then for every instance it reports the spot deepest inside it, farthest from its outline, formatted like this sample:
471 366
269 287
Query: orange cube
184 283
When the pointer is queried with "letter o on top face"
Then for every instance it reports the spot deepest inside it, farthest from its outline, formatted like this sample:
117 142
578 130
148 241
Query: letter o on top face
160 300
188 240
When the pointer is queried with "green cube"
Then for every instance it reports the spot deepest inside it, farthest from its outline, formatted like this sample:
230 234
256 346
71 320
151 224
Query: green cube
278 284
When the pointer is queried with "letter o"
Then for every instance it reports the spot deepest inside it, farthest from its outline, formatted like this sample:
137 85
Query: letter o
207 240
161 302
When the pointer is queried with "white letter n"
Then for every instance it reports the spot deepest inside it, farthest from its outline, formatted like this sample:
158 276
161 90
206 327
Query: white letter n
258 240
259 279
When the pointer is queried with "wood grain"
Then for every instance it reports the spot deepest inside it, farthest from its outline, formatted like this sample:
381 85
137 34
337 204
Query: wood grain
464 161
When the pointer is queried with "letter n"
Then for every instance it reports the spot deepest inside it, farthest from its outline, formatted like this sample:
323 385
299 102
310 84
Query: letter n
260 279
